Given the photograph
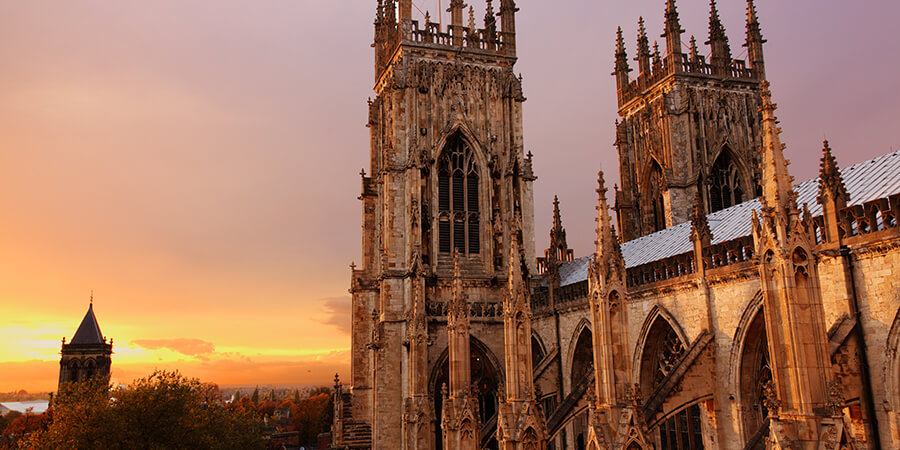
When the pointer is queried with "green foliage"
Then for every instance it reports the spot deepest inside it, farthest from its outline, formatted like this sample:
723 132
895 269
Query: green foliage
164 410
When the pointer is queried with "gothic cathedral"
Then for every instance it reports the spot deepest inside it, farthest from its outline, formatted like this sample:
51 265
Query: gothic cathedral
732 309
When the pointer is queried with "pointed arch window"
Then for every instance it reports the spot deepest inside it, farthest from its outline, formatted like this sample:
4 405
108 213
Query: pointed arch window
663 349
458 199
657 207
725 189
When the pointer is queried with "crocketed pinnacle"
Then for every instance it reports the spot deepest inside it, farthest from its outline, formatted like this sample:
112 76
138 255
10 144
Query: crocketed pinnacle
753 29
718 40
695 54
607 242
699 224
778 192
620 42
716 29
831 183
673 28
643 50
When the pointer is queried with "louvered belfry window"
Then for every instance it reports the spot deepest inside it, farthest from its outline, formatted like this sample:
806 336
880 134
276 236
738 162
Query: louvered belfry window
458 201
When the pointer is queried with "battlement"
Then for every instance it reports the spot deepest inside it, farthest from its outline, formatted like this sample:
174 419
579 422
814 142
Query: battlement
395 27
471 38
685 65
653 69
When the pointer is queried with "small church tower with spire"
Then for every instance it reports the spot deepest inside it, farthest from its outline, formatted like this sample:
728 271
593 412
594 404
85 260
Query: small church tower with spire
688 126
87 355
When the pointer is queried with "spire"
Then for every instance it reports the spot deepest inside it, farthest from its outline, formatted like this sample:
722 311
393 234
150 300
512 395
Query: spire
831 183
472 27
755 42
89 331
673 35
778 192
718 41
643 45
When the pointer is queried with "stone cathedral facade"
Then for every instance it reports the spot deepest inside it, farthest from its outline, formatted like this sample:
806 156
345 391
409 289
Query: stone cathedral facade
733 309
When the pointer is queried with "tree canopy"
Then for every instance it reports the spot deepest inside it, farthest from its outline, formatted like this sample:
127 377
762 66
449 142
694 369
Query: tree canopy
163 410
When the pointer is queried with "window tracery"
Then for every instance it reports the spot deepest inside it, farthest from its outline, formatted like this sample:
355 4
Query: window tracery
458 199
725 189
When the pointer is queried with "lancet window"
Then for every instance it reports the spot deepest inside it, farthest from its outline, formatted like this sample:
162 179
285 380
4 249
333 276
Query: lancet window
725 188
657 209
458 200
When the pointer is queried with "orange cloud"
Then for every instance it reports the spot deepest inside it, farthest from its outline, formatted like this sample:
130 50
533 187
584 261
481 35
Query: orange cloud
196 348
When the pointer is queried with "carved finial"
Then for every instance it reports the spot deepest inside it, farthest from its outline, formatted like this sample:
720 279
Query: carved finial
831 183
444 390
427 17
64 340
92 297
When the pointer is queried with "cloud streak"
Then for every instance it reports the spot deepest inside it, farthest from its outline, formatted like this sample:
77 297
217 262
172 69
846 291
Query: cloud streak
195 348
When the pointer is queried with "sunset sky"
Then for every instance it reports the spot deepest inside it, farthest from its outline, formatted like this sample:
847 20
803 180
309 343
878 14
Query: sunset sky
196 163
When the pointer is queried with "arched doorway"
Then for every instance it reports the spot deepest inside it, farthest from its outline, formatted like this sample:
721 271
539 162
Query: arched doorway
485 377
755 374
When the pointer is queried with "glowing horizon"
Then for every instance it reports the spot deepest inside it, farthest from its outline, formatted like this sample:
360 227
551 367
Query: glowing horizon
197 167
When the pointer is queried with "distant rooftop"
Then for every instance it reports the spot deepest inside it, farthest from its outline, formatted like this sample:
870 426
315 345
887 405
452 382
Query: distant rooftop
89 331
33 407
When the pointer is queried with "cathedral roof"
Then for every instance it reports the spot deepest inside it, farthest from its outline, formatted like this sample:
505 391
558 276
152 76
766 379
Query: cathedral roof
89 331
866 181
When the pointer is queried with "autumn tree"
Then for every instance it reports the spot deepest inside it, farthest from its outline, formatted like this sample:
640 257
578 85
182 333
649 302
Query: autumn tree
164 410
312 416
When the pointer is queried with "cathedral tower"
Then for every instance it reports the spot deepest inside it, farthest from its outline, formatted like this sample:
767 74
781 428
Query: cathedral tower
687 125
87 355
447 176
